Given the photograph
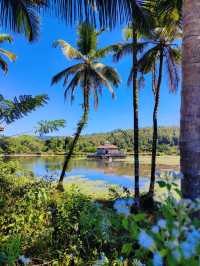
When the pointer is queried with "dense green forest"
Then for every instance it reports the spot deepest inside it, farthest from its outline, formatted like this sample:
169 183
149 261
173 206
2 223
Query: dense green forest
167 142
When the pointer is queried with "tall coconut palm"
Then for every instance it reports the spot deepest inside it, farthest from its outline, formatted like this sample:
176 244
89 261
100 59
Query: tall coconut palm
190 111
133 48
5 53
89 74
164 51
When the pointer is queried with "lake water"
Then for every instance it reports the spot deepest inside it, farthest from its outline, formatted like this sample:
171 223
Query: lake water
117 173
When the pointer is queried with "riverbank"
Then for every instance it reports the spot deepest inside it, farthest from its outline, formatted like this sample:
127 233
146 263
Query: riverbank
172 160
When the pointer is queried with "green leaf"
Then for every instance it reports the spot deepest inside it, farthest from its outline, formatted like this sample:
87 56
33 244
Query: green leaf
127 248
139 217
125 223
162 184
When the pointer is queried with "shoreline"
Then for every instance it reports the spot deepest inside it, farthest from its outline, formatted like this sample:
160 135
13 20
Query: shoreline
169 160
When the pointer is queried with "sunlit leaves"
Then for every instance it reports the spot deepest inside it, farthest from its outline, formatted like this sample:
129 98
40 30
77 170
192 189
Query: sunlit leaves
49 126
12 57
11 110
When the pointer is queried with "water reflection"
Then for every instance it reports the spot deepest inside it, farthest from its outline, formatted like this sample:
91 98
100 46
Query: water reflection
119 173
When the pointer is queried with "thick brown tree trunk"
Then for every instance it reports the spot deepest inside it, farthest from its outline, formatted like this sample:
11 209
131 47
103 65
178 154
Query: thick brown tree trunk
80 127
190 105
155 127
136 120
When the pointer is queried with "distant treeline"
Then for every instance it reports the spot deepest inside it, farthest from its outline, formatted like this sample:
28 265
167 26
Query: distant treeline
167 142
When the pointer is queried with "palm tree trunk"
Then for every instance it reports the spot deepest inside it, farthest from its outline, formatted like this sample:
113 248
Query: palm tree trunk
136 123
155 127
80 127
190 104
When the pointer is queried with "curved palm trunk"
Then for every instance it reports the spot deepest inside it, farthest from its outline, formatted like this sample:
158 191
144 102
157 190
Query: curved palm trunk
190 104
80 127
136 120
155 127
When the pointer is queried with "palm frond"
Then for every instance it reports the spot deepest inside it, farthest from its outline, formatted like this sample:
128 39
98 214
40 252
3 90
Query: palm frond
102 52
8 54
100 80
5 37
66 73
69 51
74 83
87 41
124 49
109 73
3 65
173 59
102 12
107 12
21 16
127 33
96 97
147 60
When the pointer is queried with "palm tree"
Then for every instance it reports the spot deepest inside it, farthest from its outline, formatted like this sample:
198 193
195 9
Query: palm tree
164 50
9 55
88 74
190 111
135 47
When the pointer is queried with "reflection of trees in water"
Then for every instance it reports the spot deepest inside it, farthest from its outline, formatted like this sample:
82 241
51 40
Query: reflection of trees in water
53 164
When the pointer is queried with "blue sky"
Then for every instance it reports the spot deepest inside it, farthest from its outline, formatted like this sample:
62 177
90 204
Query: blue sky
38 62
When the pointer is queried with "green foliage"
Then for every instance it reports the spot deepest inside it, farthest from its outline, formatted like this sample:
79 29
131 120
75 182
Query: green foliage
70 228
81 227
167 142
5 53
49 126
87 42
11 110
10 251
21 17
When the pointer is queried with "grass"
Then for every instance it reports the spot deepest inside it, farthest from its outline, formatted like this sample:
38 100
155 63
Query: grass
168 160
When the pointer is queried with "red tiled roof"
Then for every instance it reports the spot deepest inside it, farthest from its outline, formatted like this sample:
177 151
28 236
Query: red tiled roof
107 146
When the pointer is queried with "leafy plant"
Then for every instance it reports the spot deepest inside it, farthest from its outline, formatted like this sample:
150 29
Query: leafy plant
49 126
11 110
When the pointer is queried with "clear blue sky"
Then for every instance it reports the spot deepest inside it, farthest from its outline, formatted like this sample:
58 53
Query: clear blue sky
38 62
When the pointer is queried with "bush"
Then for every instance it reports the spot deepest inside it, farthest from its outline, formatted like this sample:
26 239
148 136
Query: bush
40 225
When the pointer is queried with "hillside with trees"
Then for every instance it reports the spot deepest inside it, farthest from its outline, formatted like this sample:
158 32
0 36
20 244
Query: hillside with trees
167 142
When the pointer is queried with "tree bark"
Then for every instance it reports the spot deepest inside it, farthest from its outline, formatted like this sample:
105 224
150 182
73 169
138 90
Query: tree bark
155 126
190 102
136 119
80 127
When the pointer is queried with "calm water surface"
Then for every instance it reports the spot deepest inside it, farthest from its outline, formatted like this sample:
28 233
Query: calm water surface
117 173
